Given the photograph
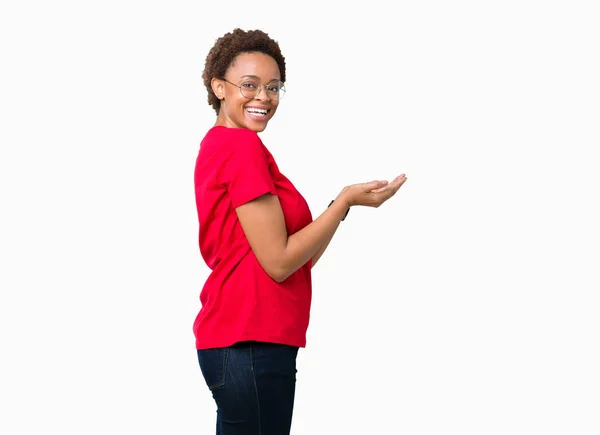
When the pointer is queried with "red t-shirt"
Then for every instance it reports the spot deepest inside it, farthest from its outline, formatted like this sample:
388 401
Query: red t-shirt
239 300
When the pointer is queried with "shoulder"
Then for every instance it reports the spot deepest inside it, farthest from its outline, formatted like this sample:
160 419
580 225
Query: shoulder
231 139
244 137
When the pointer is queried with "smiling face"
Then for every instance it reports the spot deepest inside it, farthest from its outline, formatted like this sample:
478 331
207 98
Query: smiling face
238 111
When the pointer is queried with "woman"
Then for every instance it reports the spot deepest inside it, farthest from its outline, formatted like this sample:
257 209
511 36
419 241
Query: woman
259 239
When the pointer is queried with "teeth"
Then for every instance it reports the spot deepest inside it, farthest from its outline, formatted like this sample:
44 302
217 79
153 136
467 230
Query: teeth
259 111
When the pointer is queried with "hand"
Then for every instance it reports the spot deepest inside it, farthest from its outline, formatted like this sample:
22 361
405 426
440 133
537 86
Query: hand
371 194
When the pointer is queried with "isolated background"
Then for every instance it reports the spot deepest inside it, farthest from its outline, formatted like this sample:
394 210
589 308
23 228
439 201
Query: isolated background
468 304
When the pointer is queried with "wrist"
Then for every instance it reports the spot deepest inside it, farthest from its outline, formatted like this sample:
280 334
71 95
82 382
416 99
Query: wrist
343 198
343 207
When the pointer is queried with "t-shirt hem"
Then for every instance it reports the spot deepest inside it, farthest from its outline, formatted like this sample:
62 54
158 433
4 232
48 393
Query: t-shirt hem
209 344
253 195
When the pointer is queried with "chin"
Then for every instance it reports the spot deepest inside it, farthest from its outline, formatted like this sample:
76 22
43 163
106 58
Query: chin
257 128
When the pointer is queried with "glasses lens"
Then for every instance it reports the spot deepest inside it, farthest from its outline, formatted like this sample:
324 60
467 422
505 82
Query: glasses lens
276 90
248 89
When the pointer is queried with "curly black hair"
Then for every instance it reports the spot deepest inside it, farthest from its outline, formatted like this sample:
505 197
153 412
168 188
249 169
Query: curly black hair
227 47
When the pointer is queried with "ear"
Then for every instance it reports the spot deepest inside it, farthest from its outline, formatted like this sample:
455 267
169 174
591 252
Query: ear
218 88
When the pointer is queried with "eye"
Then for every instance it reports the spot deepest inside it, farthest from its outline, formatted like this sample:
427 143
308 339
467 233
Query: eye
248 85
274 87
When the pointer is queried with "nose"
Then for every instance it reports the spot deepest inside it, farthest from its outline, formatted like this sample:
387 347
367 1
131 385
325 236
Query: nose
261 95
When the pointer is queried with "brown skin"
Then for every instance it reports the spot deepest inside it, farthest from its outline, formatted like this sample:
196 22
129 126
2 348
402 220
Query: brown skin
233 104
262 219
222 55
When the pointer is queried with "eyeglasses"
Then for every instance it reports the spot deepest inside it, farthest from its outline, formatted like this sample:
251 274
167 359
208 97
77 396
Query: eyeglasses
251 89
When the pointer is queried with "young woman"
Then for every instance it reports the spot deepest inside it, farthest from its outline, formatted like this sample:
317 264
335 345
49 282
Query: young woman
258 237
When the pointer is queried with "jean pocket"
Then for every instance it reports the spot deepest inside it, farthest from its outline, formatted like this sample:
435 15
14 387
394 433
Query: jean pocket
213 364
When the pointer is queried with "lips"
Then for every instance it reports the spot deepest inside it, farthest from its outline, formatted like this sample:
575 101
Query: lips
258 113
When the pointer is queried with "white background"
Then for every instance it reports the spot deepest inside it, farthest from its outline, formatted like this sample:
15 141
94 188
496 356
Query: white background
468 304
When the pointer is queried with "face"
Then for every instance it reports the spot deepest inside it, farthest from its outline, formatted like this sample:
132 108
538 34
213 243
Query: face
247 70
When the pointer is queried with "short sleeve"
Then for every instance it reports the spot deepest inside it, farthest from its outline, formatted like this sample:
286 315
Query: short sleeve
245 170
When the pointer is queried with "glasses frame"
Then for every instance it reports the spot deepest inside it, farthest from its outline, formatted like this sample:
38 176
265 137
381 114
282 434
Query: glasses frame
260 86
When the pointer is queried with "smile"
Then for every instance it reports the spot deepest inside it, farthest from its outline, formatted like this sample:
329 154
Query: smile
256 112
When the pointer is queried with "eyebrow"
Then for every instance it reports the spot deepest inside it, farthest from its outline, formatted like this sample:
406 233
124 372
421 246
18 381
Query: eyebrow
257 78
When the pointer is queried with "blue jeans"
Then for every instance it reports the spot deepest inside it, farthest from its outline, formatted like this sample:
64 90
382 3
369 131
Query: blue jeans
253 384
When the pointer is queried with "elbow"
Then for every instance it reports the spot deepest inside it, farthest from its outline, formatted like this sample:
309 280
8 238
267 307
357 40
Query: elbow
276 267
278 279
278 275
277 272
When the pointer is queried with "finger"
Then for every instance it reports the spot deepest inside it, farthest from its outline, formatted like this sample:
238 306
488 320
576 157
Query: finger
391 189
372 185
381 189
395 182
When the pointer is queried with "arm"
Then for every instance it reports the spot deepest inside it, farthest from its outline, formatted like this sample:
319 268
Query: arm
279 255
246 175
322 249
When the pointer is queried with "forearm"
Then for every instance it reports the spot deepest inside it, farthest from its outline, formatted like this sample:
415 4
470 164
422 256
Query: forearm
312 240
322 249
280 255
